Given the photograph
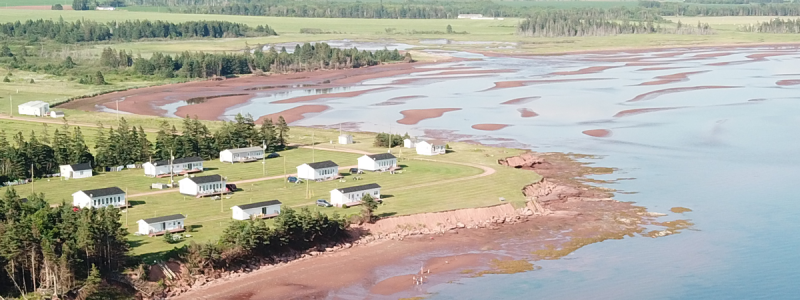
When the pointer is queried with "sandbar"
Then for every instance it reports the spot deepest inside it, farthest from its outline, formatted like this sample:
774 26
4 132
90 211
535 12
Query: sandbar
295 113
398 100
787 82
328 96
489 127
589 70
519 83
678 77
414 116
521 100
654 94
527 113
598 132
631 112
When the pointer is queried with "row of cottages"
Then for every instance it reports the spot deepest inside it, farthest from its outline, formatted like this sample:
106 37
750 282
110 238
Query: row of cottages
351 196
161 225
324 170
178 166
241 155
34 108
98 198
75 171
202 185
377 162
260 210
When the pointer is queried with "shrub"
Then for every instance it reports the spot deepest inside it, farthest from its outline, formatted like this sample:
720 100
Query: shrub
32 81
344 206
5 79
57 7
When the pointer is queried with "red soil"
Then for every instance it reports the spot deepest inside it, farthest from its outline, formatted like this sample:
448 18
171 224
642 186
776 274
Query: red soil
654 94
414 116
527 113
589 70
398 100
787 82
420 80
665 79
328 96
597 132
295 114
519 83
489 127
644 63
659 68
728 63
669 54
213 107
762 56
713 54
521 100
437 265
466 72
631 112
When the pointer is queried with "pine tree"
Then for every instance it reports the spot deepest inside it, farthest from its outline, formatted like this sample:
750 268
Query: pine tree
283 131
78 152
146 147
99 79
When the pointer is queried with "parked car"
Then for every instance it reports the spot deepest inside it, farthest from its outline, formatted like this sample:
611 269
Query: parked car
292 179
323 203
231 187
273 155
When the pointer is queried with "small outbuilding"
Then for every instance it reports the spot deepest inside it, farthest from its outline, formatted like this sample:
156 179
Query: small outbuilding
408 143
83 170
161 225
203 185
56 114
184 165
110 196
262 210
377 162
323 170
345 139
352 195
34 108
431 147
241 154
108 8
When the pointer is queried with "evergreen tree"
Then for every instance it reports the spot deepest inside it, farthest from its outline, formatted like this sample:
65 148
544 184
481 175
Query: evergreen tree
283 131
5 51
78 152
99 79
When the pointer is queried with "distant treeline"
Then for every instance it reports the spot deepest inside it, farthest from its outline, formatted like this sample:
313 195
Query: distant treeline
563 23
774 26
89 31
690 10
734 1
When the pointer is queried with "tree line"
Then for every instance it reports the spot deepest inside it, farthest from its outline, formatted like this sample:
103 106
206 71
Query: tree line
41 156
774 26
719 10
564 23
57 251
90 31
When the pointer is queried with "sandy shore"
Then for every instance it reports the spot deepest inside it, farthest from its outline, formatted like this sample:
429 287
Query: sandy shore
414 116
399 100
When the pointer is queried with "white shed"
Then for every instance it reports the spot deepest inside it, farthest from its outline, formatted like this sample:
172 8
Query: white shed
408 143
377 162
83 170
323 170
34 108
105 8
202 185
263 210
241 154
431 147
56 114
179 166
345 139
110 196
352 195
160 225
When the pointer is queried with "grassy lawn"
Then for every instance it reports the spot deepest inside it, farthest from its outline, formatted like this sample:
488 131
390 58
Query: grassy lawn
5 3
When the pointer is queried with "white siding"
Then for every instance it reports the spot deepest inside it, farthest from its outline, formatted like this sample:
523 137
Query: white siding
408 143
234 156
367 163
345 139
189 187
304 171
338 198
145 228
425 148
67 172
80 199
153 170
245 214
34 108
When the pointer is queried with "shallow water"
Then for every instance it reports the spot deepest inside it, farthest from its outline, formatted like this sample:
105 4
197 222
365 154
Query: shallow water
732 160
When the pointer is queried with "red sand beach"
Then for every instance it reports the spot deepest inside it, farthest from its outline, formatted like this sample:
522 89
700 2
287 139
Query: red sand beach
489 127
598 132
654 94
659 68
398 100
414 116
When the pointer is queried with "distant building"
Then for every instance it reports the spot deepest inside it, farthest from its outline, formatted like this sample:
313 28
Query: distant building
34 108
83 170
431 147
179 166
408 143
105 8
323 170
345 139
56 114
241 154
469 16
110 196
352 195
264 209
202 185
160 225
377 162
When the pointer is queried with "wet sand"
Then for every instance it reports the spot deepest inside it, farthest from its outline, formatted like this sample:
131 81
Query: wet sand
469 72
295 114
521 100
659 68
788 82
526 113
666 79
489 127
589 70
436 266
713 54
399 100
631 112
519 83
654 94
414 116
598 132
434 79
310 98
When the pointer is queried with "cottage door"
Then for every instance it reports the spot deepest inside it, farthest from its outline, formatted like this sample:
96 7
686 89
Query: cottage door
163 226
263 210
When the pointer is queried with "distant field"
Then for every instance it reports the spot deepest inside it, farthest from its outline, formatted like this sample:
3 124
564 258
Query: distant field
4 3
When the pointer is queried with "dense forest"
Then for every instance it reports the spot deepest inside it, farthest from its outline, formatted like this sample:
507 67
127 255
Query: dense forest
774 26
89 31
562 23
41 155
690 10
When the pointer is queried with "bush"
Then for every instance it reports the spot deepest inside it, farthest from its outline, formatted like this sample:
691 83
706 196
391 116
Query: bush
57 7
344 206
32 81
5 79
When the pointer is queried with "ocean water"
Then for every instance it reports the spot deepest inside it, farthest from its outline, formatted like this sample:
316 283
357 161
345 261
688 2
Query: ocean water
730 154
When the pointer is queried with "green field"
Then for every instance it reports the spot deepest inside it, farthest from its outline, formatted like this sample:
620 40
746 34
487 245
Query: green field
6 3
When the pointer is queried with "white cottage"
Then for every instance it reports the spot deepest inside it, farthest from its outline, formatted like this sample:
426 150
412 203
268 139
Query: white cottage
56 114
241 154
179 166
34 108
160 225
110 196
109 8
202 185
377 162
345 139
408 143
323 170
430 147
263 210
352 195
83 170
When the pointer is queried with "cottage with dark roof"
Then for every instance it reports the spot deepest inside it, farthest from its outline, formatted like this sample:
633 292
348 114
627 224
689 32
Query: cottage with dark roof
176 166
263 210
352 195
202 185
110 196
83 170
377 162
241 154
324 170
431 147
160 225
